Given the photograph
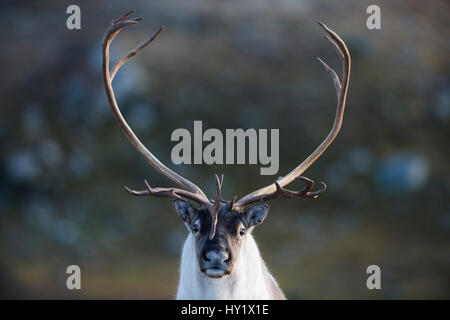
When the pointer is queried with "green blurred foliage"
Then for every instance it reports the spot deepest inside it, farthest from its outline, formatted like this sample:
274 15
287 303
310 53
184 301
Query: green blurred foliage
231 64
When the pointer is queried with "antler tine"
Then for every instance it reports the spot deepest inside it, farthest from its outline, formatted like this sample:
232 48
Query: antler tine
341 49
276 190
281 192
123 17
133 52
193 192
216 205
219 183
231 203
333 74
174 193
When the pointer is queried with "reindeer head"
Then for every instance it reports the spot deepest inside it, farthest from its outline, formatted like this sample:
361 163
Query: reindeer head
217 247
218 226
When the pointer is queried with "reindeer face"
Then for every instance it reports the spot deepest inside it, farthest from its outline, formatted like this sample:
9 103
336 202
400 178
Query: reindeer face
217 256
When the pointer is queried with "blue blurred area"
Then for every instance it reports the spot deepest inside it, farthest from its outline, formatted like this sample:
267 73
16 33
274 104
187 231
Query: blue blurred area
401 173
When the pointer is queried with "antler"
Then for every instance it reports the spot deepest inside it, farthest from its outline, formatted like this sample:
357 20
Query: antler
276 190
193 192
216 205
190 190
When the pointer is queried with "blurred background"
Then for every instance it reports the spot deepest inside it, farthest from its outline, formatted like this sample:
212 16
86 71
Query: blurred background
231 64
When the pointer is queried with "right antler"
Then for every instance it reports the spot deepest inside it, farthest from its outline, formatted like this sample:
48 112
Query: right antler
193 192
277 190
190 190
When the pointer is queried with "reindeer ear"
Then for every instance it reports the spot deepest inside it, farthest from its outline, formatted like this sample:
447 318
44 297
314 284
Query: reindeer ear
256 215
184 210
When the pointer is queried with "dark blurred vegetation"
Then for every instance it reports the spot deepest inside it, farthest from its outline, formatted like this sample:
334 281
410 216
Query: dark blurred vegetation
232 64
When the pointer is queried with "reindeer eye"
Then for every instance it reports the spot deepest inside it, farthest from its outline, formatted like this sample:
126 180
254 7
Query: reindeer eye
242 231
195 228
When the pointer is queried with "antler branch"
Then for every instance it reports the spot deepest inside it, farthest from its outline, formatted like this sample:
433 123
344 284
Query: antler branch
276 190
193 192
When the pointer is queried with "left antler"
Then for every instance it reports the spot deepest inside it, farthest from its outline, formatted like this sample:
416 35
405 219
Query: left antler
276 190
190 190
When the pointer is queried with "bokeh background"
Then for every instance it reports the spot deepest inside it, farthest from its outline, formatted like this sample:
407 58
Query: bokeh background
231 64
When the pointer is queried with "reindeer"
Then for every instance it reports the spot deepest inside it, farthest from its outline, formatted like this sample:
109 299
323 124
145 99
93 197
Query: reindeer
220 258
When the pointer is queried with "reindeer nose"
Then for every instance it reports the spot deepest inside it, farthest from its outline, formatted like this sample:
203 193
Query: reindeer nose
216 257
